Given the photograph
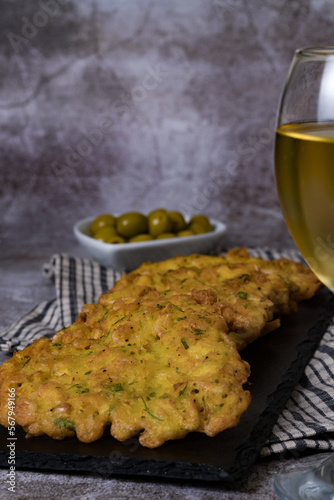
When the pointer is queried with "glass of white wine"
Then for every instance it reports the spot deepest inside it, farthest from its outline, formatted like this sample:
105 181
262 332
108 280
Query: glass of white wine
304 167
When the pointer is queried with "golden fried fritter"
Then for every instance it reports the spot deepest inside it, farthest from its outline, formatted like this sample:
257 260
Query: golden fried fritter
250 293
158 354
139 363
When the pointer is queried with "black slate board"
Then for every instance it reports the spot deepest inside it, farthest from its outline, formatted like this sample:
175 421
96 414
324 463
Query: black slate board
277 362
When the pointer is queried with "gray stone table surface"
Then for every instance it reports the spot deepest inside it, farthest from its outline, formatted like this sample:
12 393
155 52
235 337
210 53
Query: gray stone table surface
22 286
50 486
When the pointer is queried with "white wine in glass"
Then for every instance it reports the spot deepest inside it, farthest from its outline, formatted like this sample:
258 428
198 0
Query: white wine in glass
304 167
305 181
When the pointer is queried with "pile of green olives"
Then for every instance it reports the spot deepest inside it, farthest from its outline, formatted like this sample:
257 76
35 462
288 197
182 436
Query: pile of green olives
135 226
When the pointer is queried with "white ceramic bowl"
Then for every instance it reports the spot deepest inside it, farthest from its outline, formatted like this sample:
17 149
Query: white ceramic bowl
128 256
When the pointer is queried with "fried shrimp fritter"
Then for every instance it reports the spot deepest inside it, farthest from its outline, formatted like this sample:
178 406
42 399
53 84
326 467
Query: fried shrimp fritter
158 354
250 293
139 363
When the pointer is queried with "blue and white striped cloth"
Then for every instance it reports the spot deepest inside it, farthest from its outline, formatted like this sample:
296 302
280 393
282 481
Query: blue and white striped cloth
78 282
307 422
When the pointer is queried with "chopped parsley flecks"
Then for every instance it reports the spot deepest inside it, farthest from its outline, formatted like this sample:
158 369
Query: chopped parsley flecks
116 387
146 408
80 389
63 423
184 343
105 314
120 319
197 331
181 393
244 277
26 362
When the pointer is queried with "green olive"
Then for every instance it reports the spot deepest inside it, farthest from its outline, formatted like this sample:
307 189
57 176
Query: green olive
185 232
178 222
198 228
159 222
141 237
202 220
165 235
131 224
102 221
116 239
108 235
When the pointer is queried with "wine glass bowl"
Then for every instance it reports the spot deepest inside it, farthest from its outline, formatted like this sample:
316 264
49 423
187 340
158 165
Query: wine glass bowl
304 169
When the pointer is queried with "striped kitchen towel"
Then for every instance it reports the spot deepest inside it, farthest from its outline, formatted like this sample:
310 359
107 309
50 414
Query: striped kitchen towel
77 282
306 422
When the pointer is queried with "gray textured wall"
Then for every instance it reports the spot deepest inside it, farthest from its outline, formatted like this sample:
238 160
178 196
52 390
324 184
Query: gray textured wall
132 105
